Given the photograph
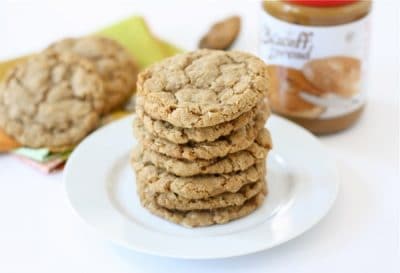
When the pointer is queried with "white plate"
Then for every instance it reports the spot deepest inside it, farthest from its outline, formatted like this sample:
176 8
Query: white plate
100 184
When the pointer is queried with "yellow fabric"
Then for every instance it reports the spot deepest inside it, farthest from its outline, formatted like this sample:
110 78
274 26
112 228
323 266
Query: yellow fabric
134 34
6 65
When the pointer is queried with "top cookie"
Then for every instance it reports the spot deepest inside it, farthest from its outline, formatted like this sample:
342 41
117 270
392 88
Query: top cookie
203 88
112 62
52 100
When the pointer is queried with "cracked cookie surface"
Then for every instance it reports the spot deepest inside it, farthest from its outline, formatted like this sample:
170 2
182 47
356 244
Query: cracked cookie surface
181 135
236 141
52 100
112 62
202 88
234 162
193 187
173 201
199 218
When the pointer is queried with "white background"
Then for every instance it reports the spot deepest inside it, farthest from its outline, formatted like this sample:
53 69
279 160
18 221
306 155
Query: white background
39 232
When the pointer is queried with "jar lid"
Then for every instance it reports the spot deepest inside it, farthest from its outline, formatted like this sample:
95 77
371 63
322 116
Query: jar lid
321 3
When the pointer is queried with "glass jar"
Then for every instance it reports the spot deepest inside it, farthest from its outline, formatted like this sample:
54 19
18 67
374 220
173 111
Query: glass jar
317 56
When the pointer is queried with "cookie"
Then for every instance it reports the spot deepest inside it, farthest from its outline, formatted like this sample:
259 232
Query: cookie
193 187
202 88
173 201
112 62
238 140
181 135
199 218
285 96
340 75
291 104
52 100
234 162
287 85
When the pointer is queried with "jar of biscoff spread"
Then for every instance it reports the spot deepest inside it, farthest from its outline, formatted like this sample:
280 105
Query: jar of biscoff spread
317 55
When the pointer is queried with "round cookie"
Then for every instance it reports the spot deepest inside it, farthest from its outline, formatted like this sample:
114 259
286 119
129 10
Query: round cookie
173 201
179 135
201 218
234 162
203 88
236 141
52 100
158 180
112 62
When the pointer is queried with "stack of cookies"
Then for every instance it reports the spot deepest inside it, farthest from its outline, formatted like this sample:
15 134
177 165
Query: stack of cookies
203 146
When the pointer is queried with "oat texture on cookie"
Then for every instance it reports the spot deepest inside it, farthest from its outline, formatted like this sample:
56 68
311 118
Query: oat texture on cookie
52 100
234 162
179 135
201 158
239 139
203 88
113 63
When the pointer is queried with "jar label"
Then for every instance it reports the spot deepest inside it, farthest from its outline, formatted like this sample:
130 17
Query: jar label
318 72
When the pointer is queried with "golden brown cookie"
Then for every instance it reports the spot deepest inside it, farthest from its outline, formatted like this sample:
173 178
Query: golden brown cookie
339 75
236 141
285 99
51 100
199 218
112 62
202 88
234 162
181 135
173 201
194 187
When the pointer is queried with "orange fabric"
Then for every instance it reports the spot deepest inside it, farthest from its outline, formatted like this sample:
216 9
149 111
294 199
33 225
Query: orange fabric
7 143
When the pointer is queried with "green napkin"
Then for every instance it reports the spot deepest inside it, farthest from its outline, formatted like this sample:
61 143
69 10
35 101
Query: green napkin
35 154
134 34
40 155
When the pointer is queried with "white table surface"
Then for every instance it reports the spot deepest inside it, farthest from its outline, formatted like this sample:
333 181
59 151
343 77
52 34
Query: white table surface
39 232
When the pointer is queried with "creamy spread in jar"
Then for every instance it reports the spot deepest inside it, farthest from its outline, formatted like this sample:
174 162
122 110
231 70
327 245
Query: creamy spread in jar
317 56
